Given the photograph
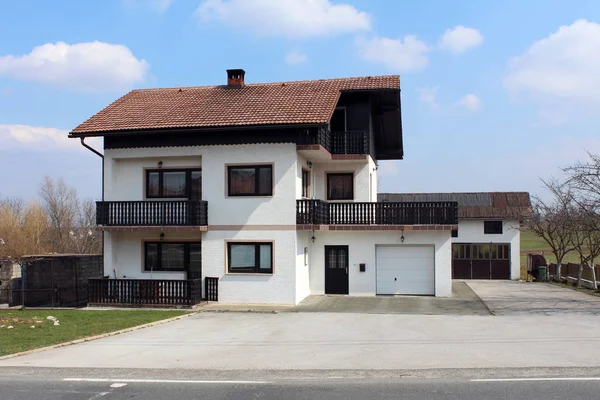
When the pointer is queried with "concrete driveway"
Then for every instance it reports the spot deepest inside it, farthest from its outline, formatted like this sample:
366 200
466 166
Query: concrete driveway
514 298
255 342
463 302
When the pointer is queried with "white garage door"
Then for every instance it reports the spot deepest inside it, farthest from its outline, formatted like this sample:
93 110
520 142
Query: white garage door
405 270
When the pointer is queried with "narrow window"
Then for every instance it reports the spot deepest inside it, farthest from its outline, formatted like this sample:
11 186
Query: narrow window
305 183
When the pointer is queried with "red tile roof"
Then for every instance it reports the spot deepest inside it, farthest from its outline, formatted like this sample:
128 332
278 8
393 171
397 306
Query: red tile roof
300 102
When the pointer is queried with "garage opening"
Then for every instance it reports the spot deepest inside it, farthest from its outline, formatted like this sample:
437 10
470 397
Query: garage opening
408 270
480 261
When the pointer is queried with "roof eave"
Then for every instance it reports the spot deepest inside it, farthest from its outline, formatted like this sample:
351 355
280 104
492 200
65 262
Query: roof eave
145 131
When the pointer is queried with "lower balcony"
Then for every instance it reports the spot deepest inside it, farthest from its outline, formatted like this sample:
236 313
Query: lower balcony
312 213
151 292
151 213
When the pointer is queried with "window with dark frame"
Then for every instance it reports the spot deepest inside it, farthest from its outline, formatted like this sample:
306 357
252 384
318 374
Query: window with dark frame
340 186
173 257
250 180
250 258
492 227
174 183
305 183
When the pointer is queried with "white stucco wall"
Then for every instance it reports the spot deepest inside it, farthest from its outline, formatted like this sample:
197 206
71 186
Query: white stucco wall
361 248
471 231
361 171
125 179
276 288
124 253
302 270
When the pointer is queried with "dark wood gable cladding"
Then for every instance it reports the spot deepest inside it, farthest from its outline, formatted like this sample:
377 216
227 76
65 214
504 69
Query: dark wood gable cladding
198 137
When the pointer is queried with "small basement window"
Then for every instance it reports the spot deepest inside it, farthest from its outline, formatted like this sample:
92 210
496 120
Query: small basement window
492 227
250 258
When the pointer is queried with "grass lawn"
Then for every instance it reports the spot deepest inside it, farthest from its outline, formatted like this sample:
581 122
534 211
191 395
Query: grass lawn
73 324
530 243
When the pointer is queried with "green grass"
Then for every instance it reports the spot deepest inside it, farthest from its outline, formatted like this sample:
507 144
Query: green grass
530 243
74 324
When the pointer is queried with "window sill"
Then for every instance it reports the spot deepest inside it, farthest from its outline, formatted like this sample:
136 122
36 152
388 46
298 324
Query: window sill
246 196
164 270
248 274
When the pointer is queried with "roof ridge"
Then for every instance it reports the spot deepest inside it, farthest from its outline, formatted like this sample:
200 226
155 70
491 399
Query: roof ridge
270 83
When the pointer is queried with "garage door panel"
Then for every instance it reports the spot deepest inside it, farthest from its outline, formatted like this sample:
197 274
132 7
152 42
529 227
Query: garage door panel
405 270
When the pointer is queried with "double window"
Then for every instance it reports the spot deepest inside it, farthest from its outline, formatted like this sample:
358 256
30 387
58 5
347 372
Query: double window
170 256
174 183
253 258
340 186
492 227
250 180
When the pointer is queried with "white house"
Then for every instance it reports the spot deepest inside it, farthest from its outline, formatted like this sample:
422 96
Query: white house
266 191
487 244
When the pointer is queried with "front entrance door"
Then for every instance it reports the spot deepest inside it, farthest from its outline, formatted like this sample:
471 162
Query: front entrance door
336 269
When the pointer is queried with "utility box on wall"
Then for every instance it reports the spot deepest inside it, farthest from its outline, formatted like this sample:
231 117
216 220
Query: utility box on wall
362 267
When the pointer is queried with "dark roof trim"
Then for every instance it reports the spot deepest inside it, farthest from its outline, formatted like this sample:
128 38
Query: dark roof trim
189 129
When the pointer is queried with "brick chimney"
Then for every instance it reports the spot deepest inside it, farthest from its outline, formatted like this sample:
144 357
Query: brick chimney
235 78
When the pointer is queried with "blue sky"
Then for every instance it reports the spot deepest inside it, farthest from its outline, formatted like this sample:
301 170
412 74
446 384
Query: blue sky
494 94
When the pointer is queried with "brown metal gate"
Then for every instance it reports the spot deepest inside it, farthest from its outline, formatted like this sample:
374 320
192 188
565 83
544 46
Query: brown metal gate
480 261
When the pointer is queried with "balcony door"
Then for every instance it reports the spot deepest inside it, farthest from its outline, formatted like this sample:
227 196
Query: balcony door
336 270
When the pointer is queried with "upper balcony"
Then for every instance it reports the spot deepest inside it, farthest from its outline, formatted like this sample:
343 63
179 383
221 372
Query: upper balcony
323 144
150 213
314 214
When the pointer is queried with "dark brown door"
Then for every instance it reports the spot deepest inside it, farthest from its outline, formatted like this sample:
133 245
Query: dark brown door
336 269
481 261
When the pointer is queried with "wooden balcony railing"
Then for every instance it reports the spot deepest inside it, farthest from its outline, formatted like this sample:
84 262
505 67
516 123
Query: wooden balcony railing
152 213
350 142
147 292
319 212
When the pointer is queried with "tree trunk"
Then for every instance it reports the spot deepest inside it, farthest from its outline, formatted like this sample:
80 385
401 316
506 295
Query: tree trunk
579 275
557 272
594 283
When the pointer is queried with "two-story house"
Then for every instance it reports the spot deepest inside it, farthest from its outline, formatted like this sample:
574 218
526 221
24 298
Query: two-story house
267 190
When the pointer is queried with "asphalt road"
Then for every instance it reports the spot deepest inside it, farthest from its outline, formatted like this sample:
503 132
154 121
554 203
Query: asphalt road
48 388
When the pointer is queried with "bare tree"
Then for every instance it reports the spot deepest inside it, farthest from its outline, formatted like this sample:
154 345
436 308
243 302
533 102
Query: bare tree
23 229
585 178
553 221
61 205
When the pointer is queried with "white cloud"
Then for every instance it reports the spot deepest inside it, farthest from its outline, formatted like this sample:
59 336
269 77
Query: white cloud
295 57
401 55
471 102
290 18
89 67
460 39
562 66
156 5
32 138
428 95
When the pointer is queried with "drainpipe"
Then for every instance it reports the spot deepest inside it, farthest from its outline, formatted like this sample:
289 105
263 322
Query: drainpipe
84 144
96 152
